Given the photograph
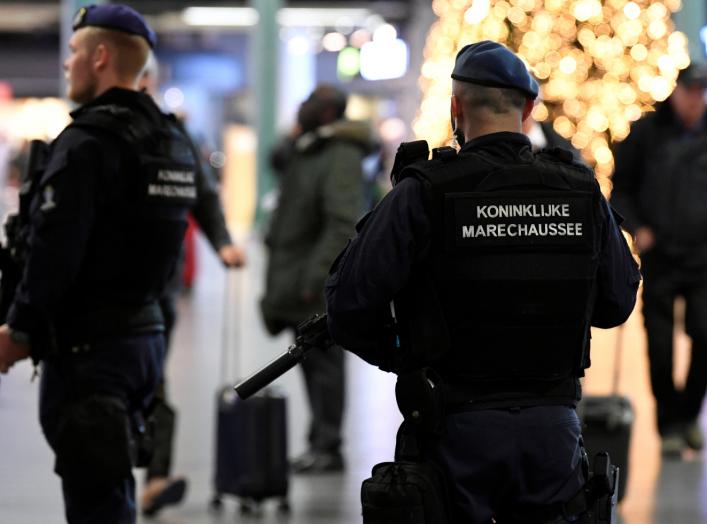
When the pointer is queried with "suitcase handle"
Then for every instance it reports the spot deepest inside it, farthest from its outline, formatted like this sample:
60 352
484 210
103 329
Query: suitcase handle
618 350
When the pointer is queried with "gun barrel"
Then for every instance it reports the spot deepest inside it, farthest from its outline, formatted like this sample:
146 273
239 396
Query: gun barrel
264 376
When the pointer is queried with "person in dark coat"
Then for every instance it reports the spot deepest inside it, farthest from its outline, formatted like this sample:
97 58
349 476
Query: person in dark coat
103 225
321 197
660 186
488 267
161 488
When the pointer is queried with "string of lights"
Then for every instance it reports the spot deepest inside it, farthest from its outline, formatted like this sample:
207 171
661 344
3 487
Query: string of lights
601 64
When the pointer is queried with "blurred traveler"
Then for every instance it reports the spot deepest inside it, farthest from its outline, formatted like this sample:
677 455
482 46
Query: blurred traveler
106 216
488 266
321 197
160 488
660 186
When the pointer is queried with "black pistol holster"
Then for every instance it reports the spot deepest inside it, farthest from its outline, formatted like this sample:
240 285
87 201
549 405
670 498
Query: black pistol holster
410 490
98 438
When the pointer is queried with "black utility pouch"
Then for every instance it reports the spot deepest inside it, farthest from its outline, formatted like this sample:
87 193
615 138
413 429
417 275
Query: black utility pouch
410 490
94 440
143 447
404 492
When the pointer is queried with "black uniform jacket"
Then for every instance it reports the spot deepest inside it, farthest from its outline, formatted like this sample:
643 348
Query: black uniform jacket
659 182
380 260
82 248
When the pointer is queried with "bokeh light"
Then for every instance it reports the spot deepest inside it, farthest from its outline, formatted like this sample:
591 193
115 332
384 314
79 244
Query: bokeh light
601 64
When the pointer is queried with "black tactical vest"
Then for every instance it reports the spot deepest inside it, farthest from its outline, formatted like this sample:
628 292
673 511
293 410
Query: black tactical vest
512 269
149 218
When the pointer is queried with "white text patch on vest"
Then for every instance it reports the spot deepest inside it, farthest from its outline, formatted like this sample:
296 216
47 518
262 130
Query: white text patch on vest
172 191
184 177
523 210
561 229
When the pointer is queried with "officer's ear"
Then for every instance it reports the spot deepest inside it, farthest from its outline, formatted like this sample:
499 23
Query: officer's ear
455 111
100 56
527 108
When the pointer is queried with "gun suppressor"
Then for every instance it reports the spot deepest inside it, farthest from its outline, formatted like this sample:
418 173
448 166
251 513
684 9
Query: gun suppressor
277 367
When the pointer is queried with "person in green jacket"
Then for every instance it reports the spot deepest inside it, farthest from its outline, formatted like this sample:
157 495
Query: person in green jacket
321 199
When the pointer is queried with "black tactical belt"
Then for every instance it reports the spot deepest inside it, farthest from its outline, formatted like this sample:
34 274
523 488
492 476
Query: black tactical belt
89 327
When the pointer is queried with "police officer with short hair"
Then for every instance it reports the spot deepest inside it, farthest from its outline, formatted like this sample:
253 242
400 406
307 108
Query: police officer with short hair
105 222
495 263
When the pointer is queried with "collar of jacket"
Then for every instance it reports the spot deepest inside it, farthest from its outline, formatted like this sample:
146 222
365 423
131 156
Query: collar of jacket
118 96
665 115
505 138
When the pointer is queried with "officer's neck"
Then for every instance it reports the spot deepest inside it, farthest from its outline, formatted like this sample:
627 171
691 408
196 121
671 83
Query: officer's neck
110 81
487 125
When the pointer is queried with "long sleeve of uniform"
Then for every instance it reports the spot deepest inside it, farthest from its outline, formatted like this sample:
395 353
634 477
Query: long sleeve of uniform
62 214
208 211
375 267
341 204
617 276
629 157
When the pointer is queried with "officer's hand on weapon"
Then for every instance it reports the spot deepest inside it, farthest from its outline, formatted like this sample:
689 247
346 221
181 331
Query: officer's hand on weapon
10 351
232 256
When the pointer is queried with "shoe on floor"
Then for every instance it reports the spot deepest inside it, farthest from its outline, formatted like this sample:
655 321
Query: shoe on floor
162 492
694 438
672 445
318 462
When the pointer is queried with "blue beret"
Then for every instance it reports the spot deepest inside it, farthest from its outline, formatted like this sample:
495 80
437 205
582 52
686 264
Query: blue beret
117 17
491 64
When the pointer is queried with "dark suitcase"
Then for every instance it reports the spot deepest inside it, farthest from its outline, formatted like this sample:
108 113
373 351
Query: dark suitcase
251 448
250 460
606 424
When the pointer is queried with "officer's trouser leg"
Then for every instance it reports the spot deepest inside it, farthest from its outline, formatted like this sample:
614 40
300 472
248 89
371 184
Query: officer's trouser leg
164 415
696 328
324 378
124 370
90 502
659 292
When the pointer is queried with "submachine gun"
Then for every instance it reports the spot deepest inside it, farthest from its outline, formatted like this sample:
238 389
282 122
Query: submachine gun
312 333
13 252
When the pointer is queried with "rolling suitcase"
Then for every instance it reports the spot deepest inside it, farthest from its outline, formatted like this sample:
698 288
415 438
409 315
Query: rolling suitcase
607 421
251 440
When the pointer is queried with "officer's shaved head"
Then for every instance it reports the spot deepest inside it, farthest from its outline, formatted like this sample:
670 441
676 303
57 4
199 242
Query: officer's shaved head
129 52
497 100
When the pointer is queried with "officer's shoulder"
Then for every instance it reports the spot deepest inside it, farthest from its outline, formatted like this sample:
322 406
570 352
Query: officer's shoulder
561 156
76 137
442 158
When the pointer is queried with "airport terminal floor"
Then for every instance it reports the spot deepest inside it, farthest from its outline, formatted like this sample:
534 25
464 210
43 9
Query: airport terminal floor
659 492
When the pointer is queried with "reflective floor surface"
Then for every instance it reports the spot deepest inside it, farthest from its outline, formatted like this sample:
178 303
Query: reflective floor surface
659 492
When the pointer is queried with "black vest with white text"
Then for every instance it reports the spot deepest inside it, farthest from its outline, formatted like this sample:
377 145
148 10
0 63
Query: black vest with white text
515 246
139 243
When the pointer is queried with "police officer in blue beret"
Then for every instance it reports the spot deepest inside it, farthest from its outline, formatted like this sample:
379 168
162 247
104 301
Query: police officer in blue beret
103 217
489 267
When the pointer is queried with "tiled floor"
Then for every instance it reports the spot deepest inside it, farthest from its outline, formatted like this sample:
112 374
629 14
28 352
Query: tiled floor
658 492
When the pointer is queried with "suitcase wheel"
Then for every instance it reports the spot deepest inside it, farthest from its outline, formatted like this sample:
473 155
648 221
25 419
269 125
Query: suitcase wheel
216 503
250 507
284 507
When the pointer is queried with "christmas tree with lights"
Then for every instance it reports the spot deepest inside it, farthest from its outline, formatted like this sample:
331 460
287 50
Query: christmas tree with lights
600 64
